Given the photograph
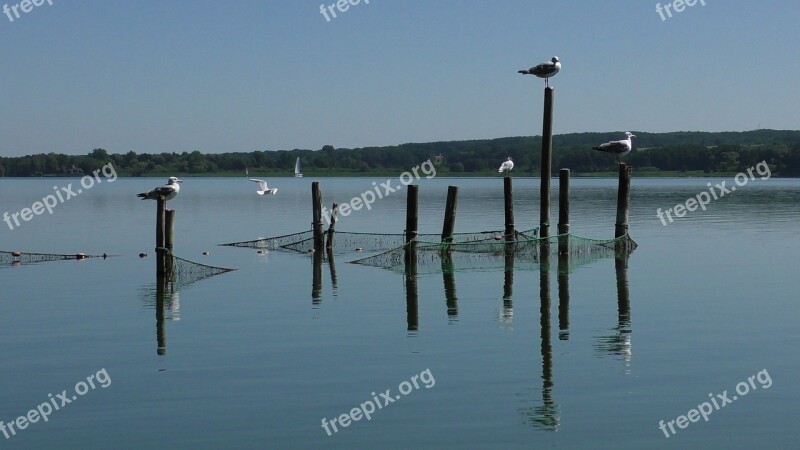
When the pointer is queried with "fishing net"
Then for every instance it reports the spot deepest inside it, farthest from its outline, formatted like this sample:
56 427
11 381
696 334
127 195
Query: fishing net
15 258
183 272
352 241
273 243
432 257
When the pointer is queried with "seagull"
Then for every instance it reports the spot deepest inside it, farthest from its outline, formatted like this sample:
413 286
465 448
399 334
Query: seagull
168 191
544 70
618 148
263 189
506 166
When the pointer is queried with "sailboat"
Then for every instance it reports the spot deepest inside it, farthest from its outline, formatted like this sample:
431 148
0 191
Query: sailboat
298 171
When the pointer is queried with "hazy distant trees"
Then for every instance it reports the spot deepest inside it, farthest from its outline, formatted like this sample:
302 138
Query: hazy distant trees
674 152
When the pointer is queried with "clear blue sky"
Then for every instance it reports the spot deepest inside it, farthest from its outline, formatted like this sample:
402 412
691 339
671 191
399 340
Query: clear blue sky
218 76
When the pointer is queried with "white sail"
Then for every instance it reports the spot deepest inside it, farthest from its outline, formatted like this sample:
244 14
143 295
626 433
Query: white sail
298 171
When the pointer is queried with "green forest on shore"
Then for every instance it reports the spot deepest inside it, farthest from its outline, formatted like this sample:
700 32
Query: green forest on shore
656 154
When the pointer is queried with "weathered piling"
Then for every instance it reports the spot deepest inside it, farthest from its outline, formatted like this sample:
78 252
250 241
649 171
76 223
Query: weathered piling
412 212
450 214
412 228
563 211
160 237
332 227
316 223
547 157
169 229
508 196
623 200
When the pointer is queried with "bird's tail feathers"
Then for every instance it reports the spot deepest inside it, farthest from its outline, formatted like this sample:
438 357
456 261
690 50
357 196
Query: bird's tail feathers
143 196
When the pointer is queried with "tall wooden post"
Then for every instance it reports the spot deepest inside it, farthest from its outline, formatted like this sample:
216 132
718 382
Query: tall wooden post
563 211
412 212
547 157
411 231
169 229
316 223
508 195
160 237
623 200
450 214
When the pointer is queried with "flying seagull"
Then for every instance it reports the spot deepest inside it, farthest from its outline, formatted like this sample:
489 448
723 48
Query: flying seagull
506 166
169 191
618 148
263 189
544 70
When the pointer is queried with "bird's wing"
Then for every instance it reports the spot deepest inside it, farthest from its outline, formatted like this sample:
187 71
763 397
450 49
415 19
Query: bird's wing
261 183
163 190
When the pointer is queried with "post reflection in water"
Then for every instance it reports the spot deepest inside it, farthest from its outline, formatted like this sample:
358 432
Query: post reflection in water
619 343
563 296
165 299
412 295
316 282
507 313
545 416
449 278
332 267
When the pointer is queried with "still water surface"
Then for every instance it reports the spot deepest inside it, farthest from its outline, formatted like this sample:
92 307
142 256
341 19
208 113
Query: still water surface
252 361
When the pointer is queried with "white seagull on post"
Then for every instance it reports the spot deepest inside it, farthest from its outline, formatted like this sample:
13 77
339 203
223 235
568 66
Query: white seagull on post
618 148
506 166
169 191
544 70
263 189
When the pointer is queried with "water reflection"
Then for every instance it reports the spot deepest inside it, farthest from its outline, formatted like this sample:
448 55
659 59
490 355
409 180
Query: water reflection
164 297
412 291
619 342
507 313
546 415
317 260
449 279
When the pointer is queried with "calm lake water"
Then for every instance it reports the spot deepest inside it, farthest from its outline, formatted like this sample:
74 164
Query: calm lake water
251 360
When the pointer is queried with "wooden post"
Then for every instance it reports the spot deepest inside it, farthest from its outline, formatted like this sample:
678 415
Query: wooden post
411 231
412 212
508 195
169 229
563 211
547 157
316 224
332 227
160 236
450 214
623 200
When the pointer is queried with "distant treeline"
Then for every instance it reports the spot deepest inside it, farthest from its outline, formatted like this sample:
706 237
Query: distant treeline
694 152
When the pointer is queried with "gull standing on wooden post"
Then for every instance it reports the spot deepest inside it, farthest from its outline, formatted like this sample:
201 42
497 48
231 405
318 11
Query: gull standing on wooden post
618 148
544 70
506 166
169 191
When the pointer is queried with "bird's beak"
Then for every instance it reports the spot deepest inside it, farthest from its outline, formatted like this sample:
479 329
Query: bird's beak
179 181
